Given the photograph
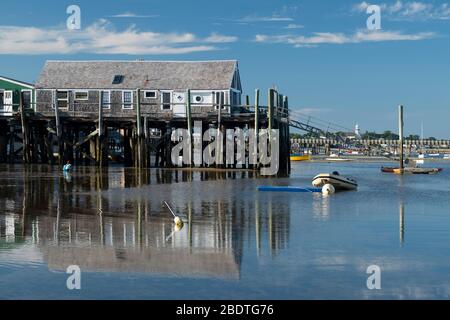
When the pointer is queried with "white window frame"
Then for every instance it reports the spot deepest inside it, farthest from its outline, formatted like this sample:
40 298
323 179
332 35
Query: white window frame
155 92
58 99
162 97
81 91
225 99
102 92
31 97
127 106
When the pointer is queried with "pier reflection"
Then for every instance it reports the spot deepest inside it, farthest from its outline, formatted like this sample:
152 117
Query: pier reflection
108 221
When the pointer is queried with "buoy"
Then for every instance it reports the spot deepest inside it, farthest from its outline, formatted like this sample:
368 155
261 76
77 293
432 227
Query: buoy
178 223
328 189
176 219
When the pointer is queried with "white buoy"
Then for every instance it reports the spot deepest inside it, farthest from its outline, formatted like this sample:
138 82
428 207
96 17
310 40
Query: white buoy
328 189
178 223
176 219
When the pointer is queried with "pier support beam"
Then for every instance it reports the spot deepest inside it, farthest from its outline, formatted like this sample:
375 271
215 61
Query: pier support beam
400 141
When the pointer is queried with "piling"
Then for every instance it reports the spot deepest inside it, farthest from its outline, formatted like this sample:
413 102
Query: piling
400 141
189 127
25 136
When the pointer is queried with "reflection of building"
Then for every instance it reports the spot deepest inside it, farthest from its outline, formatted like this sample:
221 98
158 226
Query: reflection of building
116 231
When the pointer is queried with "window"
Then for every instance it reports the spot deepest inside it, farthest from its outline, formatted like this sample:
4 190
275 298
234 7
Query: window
127 99
62 99
81 95
165 100
118 79
106 99
150 94
26 98
2 105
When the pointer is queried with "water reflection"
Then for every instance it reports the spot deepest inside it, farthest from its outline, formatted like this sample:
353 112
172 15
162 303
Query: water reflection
113 220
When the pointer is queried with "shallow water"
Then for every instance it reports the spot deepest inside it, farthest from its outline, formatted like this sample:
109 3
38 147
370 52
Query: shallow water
236 243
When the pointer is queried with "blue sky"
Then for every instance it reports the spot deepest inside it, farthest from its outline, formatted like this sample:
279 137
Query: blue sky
319 53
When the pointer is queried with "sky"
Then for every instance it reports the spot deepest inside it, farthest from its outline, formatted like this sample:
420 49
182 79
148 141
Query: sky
319 53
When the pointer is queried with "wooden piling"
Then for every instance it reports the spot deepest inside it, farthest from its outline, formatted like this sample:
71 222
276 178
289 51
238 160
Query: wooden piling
58 129
139 144
400 141
3 141
25 133
256 125
219 136
101 134
189 127
288 131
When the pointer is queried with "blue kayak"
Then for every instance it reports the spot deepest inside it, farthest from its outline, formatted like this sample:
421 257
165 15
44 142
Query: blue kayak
287 189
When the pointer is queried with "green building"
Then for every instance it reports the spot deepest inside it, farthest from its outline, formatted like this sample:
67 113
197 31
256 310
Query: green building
10 91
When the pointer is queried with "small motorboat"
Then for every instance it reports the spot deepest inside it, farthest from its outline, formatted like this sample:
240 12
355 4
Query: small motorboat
336 180
411 170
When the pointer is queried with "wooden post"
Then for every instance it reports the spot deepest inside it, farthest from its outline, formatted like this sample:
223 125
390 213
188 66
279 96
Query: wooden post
286 110
25 141
270 102
146 144
219 137
189 127
100 131
400 138
58 129
168 146
138 129
3 141
256 127
11 142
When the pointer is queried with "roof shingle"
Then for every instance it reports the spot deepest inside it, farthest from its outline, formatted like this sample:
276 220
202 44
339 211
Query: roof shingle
207 75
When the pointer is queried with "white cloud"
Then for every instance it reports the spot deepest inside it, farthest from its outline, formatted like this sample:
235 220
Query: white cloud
294 26
273 18
129 14
218 38
102 38
410 10
341 38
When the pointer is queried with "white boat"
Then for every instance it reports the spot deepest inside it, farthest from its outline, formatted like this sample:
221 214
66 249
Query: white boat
338 159
339 182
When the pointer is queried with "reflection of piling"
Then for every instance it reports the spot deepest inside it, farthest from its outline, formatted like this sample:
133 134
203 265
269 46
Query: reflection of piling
257 228
402 223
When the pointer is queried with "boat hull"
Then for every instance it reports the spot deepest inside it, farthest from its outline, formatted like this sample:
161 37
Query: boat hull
338 182
411 170
295 157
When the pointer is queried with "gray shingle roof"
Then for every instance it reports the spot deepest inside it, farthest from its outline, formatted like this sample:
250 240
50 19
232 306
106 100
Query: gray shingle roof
208 75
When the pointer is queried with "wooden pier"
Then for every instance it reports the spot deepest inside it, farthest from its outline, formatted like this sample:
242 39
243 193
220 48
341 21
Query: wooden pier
135 137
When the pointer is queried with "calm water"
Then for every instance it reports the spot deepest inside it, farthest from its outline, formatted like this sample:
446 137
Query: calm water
236 243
